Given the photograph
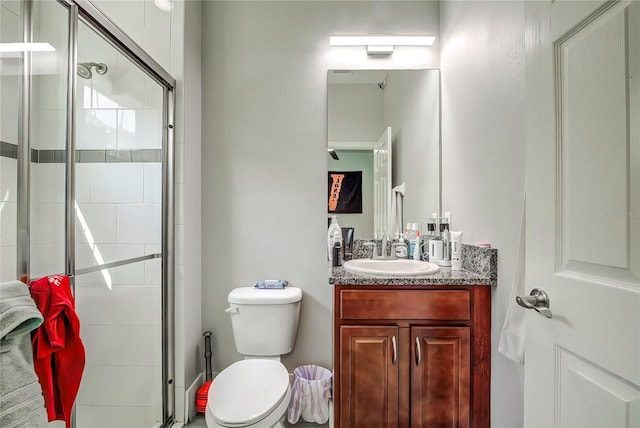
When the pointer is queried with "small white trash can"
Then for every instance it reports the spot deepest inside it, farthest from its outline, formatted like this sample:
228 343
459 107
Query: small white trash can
310 394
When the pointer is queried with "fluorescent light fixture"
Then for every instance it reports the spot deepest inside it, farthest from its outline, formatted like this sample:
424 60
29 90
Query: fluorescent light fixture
26 47
379 50
389 40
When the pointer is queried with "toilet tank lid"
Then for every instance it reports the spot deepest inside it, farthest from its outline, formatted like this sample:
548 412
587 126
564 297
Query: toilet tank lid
265 296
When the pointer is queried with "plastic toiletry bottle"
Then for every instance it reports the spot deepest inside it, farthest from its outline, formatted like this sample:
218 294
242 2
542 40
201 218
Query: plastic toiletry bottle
417 249
413 232
334 242
456 250
446 246
410 240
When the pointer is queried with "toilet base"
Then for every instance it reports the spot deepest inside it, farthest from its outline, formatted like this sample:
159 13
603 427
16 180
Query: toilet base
274 420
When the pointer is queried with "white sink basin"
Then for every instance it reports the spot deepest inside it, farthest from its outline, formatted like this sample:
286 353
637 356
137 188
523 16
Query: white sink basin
388 268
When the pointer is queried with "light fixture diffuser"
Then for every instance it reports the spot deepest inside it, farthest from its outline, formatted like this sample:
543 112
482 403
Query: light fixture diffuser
382 40
379 50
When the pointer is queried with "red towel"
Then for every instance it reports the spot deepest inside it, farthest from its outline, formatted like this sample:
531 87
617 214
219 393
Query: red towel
58 352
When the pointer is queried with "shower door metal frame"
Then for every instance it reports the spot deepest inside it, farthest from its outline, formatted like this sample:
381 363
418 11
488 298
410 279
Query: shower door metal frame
92 16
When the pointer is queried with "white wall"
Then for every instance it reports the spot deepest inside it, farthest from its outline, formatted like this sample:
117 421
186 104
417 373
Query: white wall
412 109
482 60
264 151
189 333
356 113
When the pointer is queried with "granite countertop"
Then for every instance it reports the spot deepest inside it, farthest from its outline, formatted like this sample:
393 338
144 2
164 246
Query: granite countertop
480 267
445 276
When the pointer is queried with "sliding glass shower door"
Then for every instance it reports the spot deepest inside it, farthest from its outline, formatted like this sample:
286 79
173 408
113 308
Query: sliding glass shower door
118 213
86 169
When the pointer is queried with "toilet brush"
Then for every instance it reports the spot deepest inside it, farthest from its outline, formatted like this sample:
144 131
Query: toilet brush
203 392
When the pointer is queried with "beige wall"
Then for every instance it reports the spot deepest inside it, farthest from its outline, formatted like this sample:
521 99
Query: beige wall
264 151
482 57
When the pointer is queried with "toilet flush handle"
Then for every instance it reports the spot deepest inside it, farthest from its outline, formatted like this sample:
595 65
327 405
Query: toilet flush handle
233 310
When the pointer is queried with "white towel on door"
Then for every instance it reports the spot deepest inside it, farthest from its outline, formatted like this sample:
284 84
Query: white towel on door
512 336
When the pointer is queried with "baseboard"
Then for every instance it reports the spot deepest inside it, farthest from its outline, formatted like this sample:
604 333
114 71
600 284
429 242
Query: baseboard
190 398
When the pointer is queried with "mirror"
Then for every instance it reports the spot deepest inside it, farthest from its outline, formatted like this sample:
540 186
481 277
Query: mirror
362 105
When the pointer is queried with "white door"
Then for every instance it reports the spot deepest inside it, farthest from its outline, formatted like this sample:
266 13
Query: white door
582 365
382 185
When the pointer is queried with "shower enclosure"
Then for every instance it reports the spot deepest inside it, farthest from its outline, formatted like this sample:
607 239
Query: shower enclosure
86 190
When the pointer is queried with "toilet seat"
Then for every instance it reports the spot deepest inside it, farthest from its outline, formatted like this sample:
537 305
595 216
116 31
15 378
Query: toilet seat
247 392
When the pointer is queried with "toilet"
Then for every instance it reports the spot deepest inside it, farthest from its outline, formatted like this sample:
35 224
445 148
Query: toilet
255 392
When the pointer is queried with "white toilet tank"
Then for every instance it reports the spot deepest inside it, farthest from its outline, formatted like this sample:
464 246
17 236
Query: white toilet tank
264 321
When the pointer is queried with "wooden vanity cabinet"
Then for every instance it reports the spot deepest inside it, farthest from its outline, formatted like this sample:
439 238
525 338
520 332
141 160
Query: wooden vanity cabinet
412 356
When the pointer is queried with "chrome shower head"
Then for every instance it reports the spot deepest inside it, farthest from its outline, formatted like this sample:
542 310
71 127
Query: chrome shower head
84 69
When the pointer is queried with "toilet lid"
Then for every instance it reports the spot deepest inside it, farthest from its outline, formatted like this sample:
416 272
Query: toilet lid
247 391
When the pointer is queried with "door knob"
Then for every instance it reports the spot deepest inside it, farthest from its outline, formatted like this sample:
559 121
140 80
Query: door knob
537 300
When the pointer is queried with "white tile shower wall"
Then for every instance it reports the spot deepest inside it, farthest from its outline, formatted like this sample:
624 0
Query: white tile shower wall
117 183
8 211
96 129
8 223
8 263
50 133
111 201
122 345
124 304
46 259
152 183
9 32
111 417
47 183
8 174
139 223
100 221
47 222
138 129
113 386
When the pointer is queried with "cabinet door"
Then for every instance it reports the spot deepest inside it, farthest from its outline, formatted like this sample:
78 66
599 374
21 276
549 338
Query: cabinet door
368 376
440 377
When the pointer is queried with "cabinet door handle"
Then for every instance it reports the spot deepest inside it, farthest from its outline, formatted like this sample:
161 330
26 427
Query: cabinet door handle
418 352
395 349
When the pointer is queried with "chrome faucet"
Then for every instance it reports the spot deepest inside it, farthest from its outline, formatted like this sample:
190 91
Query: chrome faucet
383 253
394 248
374 253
